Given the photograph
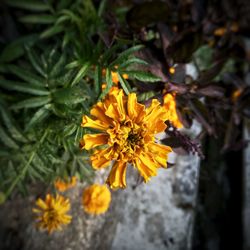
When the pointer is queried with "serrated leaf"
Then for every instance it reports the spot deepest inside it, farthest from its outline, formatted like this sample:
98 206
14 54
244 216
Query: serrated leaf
32 102
125 54
16 49
81 73
33 5
143 76
25 75
38 19
23 87
51 31
7 140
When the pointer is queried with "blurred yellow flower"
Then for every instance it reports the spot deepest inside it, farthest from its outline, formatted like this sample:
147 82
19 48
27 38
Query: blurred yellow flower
128 130
170 106
96 199
236 94
63 185
52 212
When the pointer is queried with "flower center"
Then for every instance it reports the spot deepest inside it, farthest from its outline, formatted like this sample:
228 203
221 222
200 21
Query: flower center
133 139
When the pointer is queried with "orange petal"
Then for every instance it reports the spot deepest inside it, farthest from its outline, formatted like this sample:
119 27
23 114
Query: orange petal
135 110
90 123
117 176
98 111
94 140
146 166
99 160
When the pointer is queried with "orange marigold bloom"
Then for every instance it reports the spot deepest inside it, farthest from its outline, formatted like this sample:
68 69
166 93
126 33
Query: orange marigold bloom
96 199
128 130
170 106
63 185
52 212
236 94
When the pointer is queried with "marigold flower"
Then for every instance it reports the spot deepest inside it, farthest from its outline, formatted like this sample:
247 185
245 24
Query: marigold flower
170 106
236 94
96 199
52 212
128 130
63 185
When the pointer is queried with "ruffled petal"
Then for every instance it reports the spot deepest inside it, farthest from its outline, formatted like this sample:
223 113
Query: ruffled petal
117 176
98 111
94 140
99 160
160 153
136 111
146 166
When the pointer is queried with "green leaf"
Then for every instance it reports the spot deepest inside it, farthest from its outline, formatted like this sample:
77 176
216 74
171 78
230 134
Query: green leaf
39 116
58 67
23 87
9 123
32 102
124 84
25 75
97 79
33 5
5 138
16 49
72 65
52 31
142 76
131 61
69 130
81 73
109 83
39 19
35 61
125 54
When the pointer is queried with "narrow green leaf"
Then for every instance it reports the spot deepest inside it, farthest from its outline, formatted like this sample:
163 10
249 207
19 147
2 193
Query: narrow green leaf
58 67
9 123
81 73
36 62
143 76
124 84
16 49
97 79
39 116
72 65
131 61
25 75
23 87
125 54
39 19
7 140
51 31
32 102
69 130
33 5
109 83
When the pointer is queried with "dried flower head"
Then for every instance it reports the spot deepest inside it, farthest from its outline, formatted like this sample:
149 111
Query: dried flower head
52 212
63 185
170 106
96 199
128 132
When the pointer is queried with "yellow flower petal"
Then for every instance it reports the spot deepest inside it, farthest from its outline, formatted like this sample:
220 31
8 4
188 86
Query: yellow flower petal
90 123
94 140
99 160
117 176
